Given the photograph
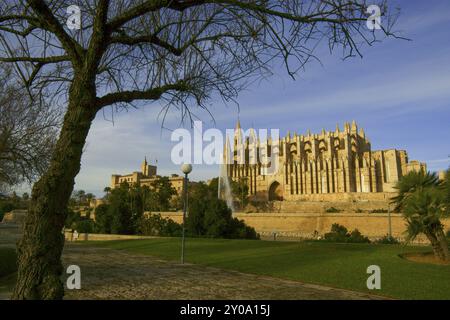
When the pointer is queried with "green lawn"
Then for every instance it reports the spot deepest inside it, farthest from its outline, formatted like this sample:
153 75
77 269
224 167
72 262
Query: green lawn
332 264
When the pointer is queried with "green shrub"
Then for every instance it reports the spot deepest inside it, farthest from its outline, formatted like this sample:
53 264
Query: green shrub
359 210
156 225
379 211
332 210
357 237
387 240
213 218
75 221
85 225
340 233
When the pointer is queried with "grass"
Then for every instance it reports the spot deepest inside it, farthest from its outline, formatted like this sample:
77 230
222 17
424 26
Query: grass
8 268
8 259
331 264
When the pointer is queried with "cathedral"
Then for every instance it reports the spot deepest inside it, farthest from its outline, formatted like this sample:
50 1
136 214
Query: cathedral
326 166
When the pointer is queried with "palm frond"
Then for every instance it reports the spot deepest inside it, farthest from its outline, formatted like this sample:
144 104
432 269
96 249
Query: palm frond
413 181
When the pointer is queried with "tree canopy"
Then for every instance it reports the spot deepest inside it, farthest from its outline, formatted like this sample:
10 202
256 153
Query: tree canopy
176 51
28 132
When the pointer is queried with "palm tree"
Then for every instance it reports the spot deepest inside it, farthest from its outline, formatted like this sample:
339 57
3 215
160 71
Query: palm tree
424 201
107 190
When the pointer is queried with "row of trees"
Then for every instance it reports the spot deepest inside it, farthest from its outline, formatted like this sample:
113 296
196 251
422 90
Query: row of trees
124 207
124 212
81 198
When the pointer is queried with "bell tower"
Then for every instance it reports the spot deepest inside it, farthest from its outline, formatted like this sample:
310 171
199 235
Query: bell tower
144 167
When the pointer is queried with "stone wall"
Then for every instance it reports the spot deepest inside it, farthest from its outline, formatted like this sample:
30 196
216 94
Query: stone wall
102 237
303 225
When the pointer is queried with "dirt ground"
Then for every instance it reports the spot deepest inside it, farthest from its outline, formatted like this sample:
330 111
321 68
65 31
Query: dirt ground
424 258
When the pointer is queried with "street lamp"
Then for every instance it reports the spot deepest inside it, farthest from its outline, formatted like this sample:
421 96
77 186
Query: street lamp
390 222
186 169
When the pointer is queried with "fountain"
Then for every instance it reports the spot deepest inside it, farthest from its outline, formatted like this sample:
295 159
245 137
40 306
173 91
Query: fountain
224 190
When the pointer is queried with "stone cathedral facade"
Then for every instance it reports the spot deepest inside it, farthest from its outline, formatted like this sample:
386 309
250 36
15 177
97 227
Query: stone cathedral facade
330 165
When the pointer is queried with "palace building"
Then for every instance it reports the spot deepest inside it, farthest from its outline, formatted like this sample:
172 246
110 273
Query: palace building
320 167
145 177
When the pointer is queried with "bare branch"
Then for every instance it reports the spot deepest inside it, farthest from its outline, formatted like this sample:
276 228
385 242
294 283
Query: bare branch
50 23
151 94
46 60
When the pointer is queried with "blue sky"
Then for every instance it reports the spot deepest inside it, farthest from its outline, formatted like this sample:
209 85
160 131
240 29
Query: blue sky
399 92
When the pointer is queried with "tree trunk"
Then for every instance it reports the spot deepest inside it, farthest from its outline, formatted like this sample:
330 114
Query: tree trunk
39 250
440 235
436 245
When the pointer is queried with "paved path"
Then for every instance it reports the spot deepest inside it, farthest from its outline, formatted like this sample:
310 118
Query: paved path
9 235
114 274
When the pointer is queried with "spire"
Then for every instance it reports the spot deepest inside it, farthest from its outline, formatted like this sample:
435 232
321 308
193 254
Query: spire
354 126
362 133
337 128
347 127
238 124
144 167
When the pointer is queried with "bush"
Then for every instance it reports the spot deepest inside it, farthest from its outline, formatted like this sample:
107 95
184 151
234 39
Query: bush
85 225
332 210
357 237
213 218
448 235
340 233
387 240
379 211
75 221
242 231
156 225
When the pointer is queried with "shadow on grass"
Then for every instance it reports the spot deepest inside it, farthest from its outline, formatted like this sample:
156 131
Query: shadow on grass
7 284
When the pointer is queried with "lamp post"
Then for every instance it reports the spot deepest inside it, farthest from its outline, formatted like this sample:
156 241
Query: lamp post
186 169
390 222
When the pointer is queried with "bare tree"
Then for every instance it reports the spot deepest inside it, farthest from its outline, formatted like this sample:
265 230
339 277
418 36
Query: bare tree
181 52
28 132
